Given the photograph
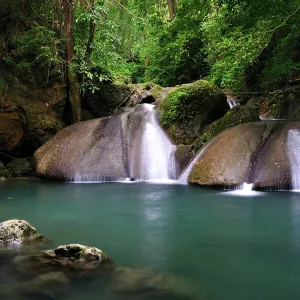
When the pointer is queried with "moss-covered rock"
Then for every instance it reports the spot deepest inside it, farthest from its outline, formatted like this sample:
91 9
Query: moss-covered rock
19 167
237 115
3 171
66 258
282 104
17 231
106 100
187 109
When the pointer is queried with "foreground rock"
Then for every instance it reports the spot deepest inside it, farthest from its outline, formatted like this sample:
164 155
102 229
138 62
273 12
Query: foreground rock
253 152
67 258
17 231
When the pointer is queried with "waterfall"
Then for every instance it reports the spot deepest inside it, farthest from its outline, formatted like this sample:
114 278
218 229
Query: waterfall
186 173
293 145
231 103
157 152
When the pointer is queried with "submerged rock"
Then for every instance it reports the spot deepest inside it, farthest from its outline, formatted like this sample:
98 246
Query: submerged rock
252 152
49 282
67 258
147 283
17 231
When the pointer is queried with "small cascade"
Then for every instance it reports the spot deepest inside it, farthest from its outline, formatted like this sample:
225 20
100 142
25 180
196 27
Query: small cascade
293 146
186 173
157 152
245 187
231 103
262 118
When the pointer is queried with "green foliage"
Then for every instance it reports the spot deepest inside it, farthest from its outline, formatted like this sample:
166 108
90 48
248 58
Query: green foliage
236 35
284 61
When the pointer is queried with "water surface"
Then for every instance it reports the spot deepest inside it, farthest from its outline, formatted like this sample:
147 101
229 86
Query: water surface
225 245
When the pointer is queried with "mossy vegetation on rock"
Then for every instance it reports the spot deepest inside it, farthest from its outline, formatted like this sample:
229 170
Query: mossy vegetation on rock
237 115
188 108
283 104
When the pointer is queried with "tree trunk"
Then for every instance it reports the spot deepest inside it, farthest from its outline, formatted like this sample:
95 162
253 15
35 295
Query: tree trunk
72 77
89 47
172 8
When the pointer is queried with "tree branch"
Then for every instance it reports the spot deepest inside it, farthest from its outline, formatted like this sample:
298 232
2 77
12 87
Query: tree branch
283 23
123 7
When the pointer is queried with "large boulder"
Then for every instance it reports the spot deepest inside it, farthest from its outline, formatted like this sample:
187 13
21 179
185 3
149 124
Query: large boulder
17 231
106 149
187 109
254 152
91 150
226 159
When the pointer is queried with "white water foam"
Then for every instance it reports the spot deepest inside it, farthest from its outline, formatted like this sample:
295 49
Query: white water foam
157 151
293 147
244 189
231 103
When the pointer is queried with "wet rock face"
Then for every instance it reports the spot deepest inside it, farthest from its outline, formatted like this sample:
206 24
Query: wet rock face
226 160
92 148
11 131
31 113
252 152
17 231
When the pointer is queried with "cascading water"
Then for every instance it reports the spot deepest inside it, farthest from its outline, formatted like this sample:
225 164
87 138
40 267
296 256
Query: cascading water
231 103
293 146
186 173
157 151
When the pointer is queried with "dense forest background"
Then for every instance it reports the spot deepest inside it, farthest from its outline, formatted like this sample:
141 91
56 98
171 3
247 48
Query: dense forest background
236 44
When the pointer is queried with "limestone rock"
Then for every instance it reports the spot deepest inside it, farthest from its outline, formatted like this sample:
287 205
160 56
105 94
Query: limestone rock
226 160
94 148
252 152
17 231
